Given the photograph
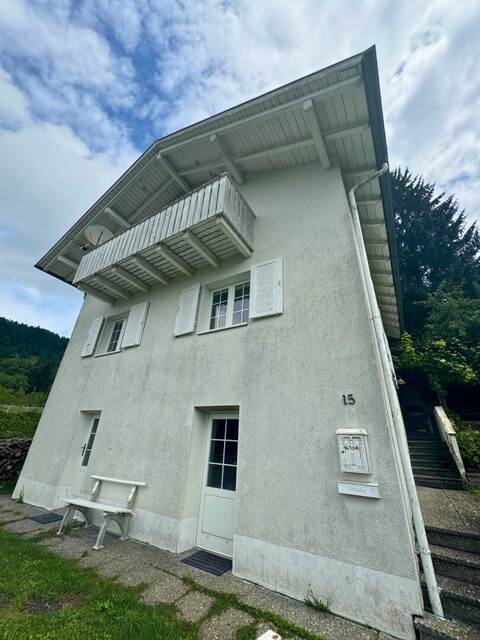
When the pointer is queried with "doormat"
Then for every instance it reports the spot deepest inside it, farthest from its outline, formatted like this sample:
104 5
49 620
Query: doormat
209 562
46 518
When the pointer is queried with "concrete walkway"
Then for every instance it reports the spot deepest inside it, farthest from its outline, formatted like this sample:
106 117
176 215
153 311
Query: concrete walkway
132 563
456 510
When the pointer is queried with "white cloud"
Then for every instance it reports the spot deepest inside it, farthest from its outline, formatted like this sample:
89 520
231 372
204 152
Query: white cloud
13 104
86 81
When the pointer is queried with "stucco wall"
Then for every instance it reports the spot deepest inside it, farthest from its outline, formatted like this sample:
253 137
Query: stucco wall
287 375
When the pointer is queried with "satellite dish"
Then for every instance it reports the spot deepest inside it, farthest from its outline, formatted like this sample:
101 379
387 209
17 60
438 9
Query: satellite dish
97 234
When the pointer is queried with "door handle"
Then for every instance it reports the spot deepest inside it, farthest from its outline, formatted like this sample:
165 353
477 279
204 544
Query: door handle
83 448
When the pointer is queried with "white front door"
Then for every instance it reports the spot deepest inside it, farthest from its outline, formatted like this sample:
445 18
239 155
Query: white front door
85 457
217 506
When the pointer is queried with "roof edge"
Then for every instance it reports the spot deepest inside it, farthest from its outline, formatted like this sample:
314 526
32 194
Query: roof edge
374 101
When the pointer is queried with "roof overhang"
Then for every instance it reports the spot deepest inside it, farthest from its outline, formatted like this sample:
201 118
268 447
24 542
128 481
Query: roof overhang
332 117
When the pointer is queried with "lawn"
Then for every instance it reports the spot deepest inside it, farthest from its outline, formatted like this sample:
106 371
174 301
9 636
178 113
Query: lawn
46 597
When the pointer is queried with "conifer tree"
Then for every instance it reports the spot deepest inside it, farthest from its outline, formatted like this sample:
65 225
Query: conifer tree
434 244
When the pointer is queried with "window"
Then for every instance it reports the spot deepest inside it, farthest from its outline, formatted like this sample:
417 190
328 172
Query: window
234 301
222 462
119 332
230 306
87 447
115 335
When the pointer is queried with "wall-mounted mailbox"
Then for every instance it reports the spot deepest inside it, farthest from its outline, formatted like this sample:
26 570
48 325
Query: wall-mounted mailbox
353 451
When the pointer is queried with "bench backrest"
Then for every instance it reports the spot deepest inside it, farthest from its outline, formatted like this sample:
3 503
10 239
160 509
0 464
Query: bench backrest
118 496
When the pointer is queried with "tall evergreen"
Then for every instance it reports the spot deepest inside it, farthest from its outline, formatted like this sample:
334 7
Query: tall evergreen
434 242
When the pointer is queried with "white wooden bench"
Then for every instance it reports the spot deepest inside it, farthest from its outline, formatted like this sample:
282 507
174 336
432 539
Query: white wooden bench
119 514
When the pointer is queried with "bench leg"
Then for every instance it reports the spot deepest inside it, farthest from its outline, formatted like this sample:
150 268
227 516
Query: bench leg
122 522
68 514
101 535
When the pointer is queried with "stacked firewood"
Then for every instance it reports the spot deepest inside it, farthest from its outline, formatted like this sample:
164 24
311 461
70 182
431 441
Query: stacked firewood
12 456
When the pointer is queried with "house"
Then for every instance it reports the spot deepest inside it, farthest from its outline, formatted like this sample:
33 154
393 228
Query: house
225 353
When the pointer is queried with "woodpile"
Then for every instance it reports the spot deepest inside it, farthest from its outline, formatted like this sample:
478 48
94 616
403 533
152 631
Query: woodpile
12 456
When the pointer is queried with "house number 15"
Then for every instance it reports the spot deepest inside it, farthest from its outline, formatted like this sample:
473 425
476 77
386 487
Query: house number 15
348 399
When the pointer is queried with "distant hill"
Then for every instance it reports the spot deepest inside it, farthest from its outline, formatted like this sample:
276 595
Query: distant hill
29 359
23 341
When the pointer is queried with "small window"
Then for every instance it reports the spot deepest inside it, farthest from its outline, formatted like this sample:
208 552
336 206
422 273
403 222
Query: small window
114 342
119 332
230 306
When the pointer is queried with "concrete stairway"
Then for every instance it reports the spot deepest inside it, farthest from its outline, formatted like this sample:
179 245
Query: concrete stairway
456 559
433 465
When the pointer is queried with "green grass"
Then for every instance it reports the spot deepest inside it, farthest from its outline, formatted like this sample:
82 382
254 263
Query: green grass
315 603
88 607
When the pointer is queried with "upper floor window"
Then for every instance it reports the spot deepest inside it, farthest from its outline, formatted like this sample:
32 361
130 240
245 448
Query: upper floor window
233 301
109 335
115 336
230 306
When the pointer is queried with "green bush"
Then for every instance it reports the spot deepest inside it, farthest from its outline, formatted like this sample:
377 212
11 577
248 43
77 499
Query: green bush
22 399
18 424
468 442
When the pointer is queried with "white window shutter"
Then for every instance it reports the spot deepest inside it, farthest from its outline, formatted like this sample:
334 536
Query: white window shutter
132 335
92 338
266 289
187 311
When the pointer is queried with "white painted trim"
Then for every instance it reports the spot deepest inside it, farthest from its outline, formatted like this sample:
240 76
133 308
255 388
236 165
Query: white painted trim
448 435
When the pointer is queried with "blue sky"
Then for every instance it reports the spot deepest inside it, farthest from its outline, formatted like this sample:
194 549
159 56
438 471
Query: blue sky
87 85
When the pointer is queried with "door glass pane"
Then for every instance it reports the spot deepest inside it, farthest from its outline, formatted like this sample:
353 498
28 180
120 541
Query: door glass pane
216 451
229 478
232 429
231 452
89 443
218 429
222 472
214 476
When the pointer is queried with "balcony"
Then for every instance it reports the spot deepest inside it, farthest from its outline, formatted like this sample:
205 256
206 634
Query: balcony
205 227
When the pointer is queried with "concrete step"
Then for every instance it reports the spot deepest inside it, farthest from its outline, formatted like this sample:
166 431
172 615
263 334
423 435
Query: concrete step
453 563
425 461
427 451
438 483
434 471
426 442
433 628
461 540
460 601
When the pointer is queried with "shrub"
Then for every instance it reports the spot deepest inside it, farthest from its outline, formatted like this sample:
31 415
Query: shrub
18 424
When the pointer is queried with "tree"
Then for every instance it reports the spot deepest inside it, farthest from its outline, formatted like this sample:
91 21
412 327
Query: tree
434 244
440 280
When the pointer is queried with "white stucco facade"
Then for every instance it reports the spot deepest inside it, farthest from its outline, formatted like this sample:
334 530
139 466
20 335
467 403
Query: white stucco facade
299 376
286 374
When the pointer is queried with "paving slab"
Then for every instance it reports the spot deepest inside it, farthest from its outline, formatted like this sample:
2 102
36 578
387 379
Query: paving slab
194 605
23 526
322 624
10 516
96 559
225 625
447 509
167 589
263 627
226 583
6 501
65 546
136 573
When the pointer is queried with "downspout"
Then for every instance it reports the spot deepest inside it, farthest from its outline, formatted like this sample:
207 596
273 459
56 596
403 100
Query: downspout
384 350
